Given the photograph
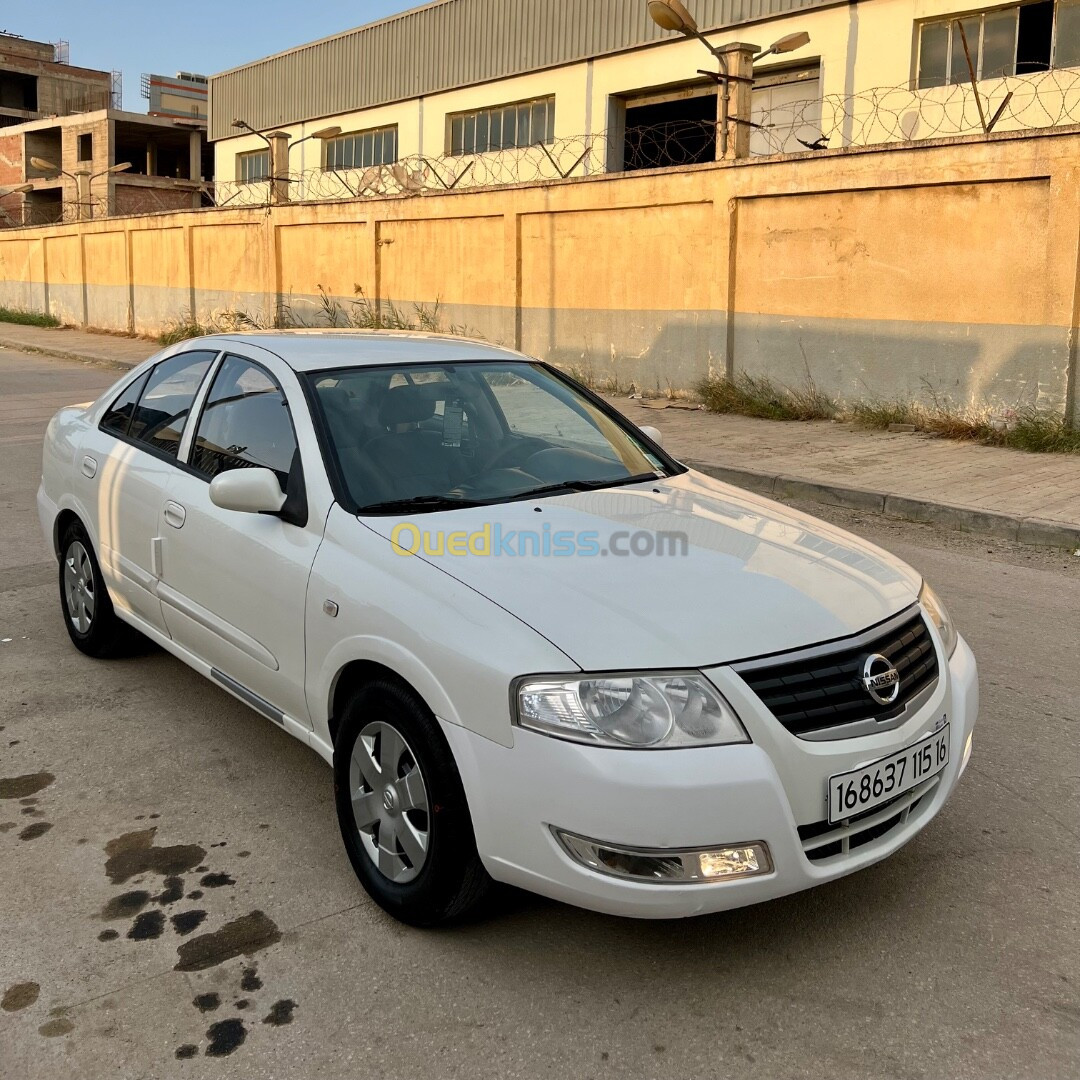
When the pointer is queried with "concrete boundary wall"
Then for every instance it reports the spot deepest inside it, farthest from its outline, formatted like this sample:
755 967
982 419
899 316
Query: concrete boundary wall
944 269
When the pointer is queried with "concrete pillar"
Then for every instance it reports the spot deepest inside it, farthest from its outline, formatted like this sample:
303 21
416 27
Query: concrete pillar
279 166
82 188
195 155
151 158
733 100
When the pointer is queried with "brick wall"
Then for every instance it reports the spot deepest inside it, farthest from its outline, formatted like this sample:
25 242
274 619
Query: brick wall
11 160
129 199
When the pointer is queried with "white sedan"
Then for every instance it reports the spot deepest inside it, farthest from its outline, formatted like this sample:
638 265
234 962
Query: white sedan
534 647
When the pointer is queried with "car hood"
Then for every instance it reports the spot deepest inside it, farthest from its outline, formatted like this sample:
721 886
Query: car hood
753 577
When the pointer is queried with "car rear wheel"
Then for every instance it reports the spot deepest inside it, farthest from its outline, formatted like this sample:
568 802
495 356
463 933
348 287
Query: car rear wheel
402 810
91 622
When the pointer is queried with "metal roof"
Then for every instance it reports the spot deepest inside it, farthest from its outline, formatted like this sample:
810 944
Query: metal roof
445 45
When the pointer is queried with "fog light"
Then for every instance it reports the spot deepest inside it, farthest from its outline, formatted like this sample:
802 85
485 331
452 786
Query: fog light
731 862
667 865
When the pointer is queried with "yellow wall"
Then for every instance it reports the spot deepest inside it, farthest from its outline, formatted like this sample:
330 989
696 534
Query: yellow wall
946 267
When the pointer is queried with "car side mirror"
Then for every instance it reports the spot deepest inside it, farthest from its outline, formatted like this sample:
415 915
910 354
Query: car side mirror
654 434
248 491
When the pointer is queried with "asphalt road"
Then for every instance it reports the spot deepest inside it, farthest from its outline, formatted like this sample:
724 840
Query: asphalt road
958 957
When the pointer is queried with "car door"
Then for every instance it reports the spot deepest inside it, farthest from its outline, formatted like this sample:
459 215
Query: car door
123 469
233 585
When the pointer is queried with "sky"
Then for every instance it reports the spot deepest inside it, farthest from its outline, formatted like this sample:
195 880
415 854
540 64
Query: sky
203 36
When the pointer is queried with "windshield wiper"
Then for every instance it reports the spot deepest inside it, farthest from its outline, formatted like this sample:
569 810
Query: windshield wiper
418 502
586 485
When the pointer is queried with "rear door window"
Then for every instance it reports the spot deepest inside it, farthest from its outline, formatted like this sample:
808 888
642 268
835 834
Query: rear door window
117 418
159 418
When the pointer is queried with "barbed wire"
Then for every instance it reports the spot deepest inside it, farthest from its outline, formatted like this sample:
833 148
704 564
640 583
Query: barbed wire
888 114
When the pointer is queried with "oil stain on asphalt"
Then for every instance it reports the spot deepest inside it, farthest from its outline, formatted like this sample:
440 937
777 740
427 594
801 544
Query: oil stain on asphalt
19 996
148 925
19 787
225 1036
134 853
240 937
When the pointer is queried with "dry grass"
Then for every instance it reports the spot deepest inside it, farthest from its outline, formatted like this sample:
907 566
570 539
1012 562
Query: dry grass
757 395
1024 428
28 318
1027 428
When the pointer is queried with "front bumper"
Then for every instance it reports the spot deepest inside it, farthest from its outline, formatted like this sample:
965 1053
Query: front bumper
762 791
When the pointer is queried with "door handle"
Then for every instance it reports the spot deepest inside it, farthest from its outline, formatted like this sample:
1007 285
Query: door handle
89 466
175 514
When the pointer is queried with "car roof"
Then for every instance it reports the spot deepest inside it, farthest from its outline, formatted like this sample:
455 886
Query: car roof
316 350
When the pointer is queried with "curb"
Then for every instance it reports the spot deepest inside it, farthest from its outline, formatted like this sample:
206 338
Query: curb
969 519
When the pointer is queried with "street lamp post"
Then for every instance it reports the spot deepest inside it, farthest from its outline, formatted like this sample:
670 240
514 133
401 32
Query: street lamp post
280 149
673 15
83 179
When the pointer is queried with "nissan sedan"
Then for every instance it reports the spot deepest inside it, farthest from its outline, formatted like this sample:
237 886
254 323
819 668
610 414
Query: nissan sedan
533 647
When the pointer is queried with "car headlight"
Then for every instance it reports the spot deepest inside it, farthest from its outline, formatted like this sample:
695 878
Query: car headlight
939 616
661 711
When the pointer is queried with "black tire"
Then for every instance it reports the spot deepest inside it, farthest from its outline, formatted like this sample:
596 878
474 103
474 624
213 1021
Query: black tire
105 636
452 882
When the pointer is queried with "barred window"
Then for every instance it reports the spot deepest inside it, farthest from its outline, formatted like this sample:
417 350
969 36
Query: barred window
523 123
1019 40
253 167
362 149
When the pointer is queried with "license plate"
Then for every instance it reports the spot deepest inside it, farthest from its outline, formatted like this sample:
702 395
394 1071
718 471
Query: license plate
862 789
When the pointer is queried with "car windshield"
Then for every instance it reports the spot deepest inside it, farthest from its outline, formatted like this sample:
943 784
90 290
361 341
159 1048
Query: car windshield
418 438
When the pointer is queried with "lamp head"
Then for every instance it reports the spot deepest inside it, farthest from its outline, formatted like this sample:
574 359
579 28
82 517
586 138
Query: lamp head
790 42
672 15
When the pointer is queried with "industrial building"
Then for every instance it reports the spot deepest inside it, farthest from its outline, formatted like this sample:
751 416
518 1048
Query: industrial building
460 79
182 96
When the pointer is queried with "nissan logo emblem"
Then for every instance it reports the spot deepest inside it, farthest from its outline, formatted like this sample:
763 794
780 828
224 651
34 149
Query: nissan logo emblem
880 679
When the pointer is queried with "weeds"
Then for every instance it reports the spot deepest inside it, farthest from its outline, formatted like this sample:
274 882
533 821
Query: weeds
1027 428
758 395
28 318
226 321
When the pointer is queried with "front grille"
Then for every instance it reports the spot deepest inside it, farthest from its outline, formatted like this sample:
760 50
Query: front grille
821 841
825 690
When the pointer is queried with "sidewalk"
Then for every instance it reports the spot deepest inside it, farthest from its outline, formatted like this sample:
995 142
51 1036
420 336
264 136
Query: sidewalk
77 344
1030 498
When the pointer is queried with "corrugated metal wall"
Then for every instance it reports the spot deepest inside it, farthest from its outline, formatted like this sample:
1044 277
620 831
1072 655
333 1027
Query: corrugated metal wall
444 45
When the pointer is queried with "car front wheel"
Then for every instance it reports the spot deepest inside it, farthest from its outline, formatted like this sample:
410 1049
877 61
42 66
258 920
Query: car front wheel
402 810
